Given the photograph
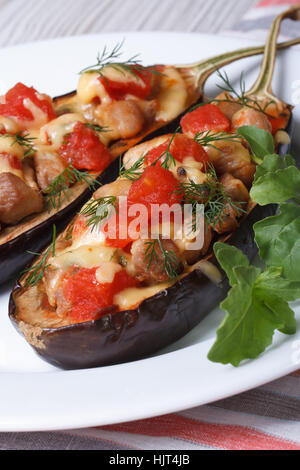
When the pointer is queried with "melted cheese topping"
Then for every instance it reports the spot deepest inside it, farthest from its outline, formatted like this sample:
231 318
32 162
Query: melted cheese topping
84 257
193 170
39 116
90 87
56 130
172 96
8 125
9 146
129 298
107 271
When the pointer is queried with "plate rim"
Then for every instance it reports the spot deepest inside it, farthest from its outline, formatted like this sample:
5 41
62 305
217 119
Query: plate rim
11 424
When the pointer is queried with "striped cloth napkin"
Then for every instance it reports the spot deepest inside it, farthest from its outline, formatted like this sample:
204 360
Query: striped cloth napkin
267 418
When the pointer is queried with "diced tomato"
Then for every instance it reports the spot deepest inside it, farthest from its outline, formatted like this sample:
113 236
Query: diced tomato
14 105
84 149
114 239
205 118
13 160
279 122
88 297
140 88
181 148
156 186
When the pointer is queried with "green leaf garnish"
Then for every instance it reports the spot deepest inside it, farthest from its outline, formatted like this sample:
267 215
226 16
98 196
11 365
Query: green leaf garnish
277 180
253 310
278 238
261 142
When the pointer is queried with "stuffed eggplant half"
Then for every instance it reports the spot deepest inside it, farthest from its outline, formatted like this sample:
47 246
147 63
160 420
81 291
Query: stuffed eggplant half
53 151
104 293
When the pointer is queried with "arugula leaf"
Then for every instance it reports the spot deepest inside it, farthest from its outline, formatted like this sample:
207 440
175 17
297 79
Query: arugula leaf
276 181
254 309
261 142
229 257
278 239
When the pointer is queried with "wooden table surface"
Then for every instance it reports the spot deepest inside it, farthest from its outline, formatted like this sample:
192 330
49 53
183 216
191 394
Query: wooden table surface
31 20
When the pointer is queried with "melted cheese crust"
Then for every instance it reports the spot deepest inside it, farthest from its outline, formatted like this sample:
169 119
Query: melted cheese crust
9 146
55 131
172 96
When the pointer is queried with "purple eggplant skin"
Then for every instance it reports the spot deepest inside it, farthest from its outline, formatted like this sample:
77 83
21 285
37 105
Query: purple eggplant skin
158 322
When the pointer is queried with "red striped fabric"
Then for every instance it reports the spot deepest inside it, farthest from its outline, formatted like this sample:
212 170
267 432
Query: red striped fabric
272 3
219 436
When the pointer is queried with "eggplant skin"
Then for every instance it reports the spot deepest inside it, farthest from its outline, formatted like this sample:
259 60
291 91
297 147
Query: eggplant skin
158 322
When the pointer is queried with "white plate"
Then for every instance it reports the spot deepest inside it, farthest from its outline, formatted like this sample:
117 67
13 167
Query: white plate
37 397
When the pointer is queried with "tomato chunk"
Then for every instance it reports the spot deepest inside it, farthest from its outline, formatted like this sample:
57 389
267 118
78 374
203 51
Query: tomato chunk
205 118
13 160
88 297
15 104
156 186
140 88
181 148
84 149
113 234
279 122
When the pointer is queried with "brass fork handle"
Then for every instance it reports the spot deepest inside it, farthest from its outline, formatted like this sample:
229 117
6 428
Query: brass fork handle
263 85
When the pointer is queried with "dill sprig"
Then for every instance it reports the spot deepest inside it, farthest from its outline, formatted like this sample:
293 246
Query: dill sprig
112 59
208 138
171 260
135 171
59 189
212 195
23 139
239 96
169 160
36 272
98 211
96 128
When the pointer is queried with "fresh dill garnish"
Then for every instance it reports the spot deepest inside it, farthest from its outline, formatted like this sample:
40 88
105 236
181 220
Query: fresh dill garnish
239 96
207 139
212 195
112 59
23 139
171 260
135 171
114 255
98 211
95 127
123 261
36 272
59 189
166 158
236 97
